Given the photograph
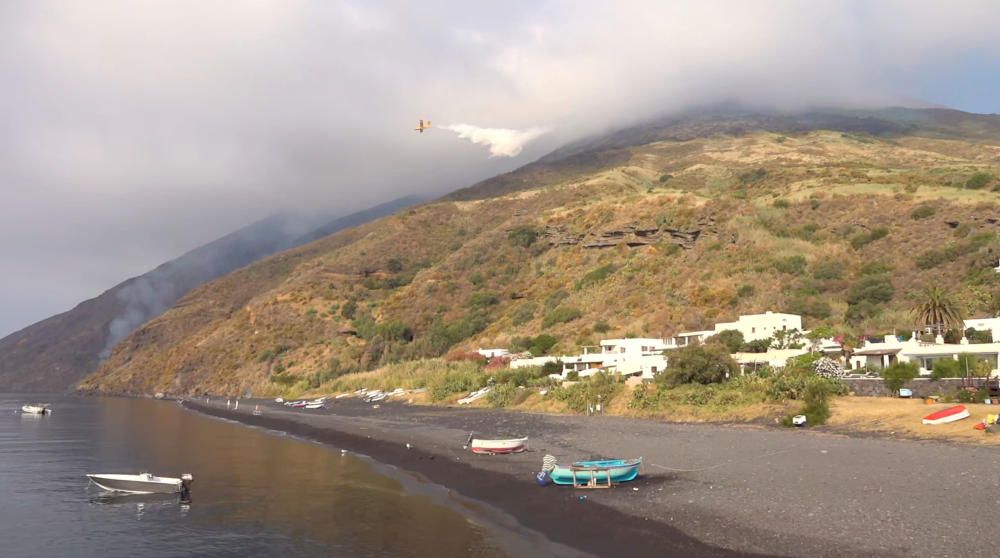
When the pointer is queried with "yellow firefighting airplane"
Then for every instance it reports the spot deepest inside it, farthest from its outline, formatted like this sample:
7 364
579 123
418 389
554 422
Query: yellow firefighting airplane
423 126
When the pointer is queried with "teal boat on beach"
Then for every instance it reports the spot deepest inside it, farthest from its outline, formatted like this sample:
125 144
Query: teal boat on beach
587 472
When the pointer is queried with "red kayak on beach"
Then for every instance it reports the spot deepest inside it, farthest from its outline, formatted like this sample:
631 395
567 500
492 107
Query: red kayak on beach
951 414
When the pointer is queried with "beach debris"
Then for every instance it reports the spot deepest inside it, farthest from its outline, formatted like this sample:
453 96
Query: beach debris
478 394
799 420
905 393
408 446
376 406
582 497
279 399
343 452
634 489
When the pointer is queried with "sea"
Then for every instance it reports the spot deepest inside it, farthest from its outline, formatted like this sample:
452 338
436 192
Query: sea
255 492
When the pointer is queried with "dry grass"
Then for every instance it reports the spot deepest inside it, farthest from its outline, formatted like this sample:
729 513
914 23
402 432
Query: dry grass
903 417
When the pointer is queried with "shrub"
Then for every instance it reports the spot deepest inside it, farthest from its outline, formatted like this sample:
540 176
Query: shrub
599 387
978 180
555 298
781 203
501 395
702 364
873 289
946 368
483 299
561 315
664 178
792 265
745 291
394 265
394 330
810 307
537 346
349 309
756 346
755 175
860 240
595 276
731 339
552 367
523 236
601 326
828 270
455 381
923 212
898 374
524 313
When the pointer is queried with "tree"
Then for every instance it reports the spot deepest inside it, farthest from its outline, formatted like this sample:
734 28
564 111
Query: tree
898 374
394 265
701 364
937 310
786 339
731 339
946 368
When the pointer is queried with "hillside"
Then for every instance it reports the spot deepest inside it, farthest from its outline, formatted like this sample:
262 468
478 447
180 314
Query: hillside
57 352
843 219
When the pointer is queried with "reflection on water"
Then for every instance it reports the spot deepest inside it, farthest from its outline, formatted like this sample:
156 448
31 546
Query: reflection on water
254 493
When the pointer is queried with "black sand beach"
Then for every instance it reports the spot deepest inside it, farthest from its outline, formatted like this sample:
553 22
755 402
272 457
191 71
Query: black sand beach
704 491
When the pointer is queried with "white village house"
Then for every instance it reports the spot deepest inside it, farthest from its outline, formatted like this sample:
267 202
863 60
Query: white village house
890 350
628 357
490 353
991 325
753 327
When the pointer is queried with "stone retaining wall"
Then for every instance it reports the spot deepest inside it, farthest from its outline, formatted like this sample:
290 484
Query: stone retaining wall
922 387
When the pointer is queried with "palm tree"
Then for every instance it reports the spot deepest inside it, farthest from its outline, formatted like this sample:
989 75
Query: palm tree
938 310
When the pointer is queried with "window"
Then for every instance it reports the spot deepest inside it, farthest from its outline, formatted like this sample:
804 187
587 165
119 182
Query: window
753 330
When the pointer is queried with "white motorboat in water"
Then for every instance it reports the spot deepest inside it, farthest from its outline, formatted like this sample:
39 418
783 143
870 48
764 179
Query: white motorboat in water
143 483
36 409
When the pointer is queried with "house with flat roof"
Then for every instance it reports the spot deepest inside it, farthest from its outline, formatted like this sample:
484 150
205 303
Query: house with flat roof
881 353
629 357
991 325
752 326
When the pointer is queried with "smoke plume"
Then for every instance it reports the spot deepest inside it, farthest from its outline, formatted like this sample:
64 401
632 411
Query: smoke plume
503 142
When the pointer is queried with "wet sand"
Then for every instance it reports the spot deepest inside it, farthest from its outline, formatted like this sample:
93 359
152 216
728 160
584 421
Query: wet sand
705 490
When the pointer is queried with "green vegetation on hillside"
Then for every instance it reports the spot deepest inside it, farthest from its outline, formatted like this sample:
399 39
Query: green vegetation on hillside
822 224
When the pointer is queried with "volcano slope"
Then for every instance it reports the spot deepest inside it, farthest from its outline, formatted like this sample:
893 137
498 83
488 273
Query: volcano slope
664 230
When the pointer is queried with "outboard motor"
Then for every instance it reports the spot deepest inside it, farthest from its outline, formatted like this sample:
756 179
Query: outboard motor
186 480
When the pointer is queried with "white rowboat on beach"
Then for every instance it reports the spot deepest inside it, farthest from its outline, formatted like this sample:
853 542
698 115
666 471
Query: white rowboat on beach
490 447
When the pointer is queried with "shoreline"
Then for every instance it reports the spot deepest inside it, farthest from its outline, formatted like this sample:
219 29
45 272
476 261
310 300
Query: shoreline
704 490
557 513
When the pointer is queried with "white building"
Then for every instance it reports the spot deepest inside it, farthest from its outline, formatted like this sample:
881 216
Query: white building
985 324
775 358
890 350
490 353
752 326
628 357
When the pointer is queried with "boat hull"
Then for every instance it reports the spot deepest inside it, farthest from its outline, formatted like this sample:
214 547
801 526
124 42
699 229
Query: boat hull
35 410
620 470
135 484
513 445
951 414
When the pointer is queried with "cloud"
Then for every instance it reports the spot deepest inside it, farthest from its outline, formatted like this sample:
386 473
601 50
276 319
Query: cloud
503 142
135 130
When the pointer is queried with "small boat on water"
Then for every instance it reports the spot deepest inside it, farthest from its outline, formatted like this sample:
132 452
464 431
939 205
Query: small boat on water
944 416
490 447
36 409
143 483
582 472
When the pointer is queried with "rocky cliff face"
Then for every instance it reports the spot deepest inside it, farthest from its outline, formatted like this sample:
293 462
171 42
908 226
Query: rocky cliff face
656 237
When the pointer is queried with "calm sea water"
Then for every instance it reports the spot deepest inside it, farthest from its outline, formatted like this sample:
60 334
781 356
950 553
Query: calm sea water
255 493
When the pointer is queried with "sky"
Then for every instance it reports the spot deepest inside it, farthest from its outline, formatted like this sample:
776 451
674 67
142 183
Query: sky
133 131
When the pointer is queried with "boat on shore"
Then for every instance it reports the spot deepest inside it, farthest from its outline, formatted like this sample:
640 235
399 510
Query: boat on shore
143 483
583 472
944 416
490 447
36 409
